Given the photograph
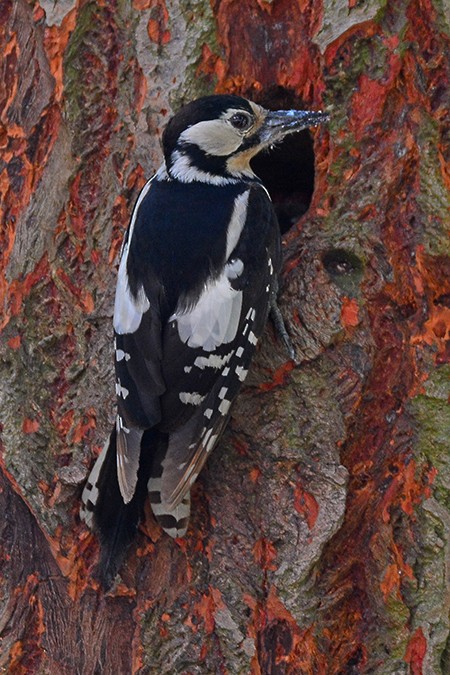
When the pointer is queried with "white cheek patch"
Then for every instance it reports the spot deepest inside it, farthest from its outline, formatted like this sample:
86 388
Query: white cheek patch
215 318
215 137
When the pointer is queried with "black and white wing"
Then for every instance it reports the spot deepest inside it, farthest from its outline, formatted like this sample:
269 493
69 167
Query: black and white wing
179 365
208 347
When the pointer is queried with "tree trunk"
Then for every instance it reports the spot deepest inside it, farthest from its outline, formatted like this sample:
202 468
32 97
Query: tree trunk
319 541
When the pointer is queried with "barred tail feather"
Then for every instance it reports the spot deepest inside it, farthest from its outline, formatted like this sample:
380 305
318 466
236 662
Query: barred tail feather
174 520
104 508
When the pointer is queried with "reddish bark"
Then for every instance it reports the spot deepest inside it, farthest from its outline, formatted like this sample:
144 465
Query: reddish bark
318 539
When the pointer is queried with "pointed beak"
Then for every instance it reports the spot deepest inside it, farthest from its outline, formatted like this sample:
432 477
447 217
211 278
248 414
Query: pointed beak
278 123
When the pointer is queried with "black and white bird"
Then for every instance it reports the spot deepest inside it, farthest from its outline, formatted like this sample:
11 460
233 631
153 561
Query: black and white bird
197 279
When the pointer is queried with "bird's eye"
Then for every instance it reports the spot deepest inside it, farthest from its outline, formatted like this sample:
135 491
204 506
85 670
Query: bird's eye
241 121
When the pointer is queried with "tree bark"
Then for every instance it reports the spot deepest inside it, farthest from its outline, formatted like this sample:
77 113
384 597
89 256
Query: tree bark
319 541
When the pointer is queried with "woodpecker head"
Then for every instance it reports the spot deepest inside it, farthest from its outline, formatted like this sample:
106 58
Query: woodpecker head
214 138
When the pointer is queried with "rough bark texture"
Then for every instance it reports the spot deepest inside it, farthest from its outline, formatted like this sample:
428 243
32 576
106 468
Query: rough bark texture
320 536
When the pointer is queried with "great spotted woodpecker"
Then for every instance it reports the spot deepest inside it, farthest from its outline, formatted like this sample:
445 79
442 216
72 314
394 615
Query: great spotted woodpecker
197 279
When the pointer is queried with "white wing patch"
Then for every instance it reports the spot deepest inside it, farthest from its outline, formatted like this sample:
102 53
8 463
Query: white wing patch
128 310
237 221
215 318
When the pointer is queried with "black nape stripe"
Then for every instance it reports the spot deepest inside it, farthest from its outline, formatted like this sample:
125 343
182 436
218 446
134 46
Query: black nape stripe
207 163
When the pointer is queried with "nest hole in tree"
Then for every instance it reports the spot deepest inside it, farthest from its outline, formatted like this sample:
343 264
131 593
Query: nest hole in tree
287 170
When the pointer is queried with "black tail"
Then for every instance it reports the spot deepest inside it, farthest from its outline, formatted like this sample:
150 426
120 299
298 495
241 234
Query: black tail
104 508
